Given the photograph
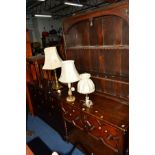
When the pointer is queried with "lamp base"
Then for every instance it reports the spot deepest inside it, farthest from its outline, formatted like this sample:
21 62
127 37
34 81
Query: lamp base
70 98
88 103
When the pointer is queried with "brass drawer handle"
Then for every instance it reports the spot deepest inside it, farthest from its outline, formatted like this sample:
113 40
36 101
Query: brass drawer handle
88 123
92 128
115 149
63 109
74 122
98 122
109 137
77 118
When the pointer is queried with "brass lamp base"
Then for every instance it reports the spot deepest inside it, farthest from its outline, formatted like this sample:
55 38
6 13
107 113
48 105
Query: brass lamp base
56 85
70 99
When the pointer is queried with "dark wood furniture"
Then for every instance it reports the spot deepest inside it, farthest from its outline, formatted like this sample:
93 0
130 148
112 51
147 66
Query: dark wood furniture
33 76
106 122
98 42
44 101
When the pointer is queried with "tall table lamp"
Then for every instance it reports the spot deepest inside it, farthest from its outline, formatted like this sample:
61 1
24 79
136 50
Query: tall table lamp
52 62
86 86
69 74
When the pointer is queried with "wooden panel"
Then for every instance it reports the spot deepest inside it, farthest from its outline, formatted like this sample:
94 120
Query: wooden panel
112 62
96 31
104 63
115 88
109 87
107 26
79 33
124 91
125 63
125 33
117 23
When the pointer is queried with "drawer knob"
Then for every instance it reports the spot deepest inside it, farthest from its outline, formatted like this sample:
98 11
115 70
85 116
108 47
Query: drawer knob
122 125
105 131
101 116
99 128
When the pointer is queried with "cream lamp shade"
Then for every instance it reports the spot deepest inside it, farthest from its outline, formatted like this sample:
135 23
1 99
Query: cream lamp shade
85 85
52 62
52 59
69 74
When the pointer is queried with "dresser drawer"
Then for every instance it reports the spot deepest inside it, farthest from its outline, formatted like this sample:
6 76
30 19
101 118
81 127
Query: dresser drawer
98 129
72 115
92 125
111 137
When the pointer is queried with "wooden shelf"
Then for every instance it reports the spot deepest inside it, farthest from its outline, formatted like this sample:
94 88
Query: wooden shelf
124 79
113 78
101 47
35 58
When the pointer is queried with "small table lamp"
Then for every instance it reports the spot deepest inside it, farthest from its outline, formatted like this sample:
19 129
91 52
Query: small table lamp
86 86
52 62
69 75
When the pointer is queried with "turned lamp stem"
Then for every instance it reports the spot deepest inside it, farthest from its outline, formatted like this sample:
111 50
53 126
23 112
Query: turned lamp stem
56 85
70 97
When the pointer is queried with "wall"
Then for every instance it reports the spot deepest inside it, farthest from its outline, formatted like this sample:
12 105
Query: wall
36 27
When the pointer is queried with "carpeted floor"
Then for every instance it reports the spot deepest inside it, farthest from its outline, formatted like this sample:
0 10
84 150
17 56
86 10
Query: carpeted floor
47 138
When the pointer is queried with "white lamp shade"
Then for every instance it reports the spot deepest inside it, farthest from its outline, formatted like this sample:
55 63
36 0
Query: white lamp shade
52 59
85 85
69 74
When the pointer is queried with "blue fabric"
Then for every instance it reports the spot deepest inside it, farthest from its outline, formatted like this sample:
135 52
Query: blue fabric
48 135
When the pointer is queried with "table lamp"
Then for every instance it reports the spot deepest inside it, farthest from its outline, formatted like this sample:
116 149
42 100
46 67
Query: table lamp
69 74
86 86
52 62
